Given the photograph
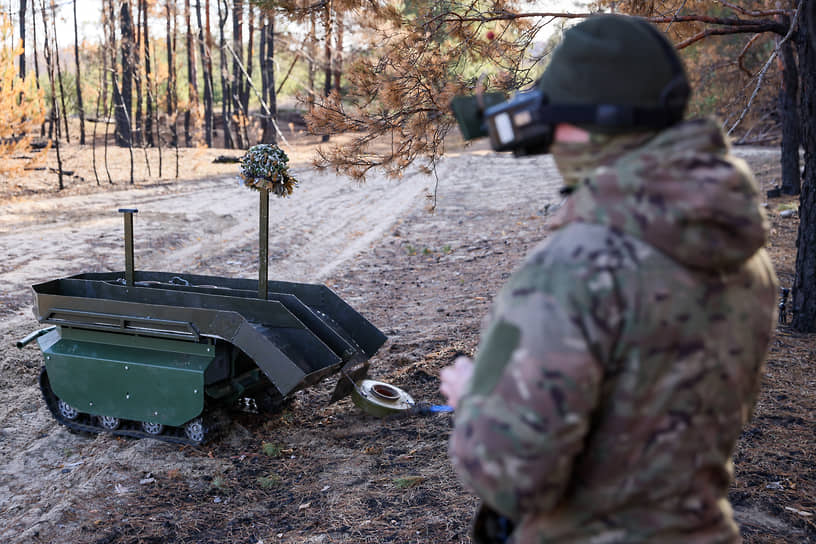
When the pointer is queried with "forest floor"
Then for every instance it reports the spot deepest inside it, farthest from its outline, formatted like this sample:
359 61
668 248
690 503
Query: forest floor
320 473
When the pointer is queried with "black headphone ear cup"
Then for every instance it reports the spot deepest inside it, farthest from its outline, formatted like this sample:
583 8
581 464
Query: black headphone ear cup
675 95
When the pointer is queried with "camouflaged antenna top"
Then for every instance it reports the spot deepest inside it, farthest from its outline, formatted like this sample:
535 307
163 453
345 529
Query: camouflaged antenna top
265 166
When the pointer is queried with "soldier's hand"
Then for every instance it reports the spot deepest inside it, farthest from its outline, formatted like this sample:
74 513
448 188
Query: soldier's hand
454 378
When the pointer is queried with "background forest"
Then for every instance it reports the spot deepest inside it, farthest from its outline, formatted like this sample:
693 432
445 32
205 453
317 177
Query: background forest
229 74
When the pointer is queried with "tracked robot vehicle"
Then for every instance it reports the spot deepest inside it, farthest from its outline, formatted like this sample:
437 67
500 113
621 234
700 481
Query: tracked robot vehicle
151 354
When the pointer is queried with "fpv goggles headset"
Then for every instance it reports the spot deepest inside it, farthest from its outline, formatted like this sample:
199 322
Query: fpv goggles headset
525 124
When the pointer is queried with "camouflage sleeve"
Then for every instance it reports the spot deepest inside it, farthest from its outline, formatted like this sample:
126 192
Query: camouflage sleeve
536 382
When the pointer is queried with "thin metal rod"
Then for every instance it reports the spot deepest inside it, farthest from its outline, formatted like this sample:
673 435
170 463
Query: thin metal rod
129 268
263 246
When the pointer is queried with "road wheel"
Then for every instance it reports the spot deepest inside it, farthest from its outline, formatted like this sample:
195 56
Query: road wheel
152 428
67 411
194 430
109 423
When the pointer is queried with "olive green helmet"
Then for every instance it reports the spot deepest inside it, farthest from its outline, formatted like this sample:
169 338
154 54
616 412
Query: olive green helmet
617 60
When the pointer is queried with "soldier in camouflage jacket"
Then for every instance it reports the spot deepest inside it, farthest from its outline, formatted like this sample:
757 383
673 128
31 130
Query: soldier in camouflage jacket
623 357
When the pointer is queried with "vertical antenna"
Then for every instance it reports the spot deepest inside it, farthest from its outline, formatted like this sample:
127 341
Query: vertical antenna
263 246
128 244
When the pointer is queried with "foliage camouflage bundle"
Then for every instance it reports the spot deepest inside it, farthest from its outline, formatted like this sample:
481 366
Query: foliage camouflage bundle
265 167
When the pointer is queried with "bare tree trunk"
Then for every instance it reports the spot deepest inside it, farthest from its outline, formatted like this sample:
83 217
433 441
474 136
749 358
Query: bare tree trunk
262 64
93 137
312 58
206 68
58 64
154 94
208 41
80 107
136 55
250 53
338 50
237 62
148 135
804 288
111 26
22 38
327 82
268 66
51 116
103 93
192 76
36 62
172 92
130 147
148 132
47 51
107 126
123 100
171 68
226 103
247 79
172 98
789 116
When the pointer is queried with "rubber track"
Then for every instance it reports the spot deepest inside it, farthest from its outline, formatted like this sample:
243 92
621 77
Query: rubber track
86 423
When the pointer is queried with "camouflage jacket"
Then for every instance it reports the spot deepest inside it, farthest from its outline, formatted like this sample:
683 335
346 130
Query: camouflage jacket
622 358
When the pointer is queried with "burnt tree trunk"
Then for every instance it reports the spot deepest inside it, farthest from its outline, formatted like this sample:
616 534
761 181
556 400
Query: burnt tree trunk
264 76
267 61
153 96
237 73
247 86
116 92
327 81
338 50
95 125
36 62
148 125
22 37
789 117
58 64
208 40
171 106
136 53
226 103
110 54
80 106
139 119
312 59
49 63
192 77
123 103
206 69
804 287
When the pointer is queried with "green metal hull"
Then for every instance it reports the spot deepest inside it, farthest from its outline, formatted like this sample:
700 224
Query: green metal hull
126 376
300 334
147 359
